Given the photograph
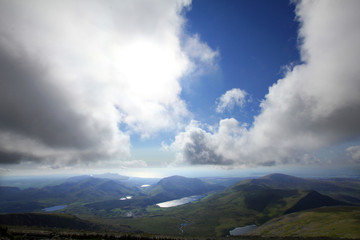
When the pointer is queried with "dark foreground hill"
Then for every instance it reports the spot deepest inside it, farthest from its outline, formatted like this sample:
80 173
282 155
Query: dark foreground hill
47 221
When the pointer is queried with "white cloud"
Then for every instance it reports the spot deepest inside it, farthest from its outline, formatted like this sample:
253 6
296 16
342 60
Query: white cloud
72 71
316 104
230 99
202 56
198 146
354 153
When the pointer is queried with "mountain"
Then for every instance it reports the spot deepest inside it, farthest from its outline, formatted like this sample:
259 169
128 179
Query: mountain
341 189
113 176
177 187
246 203
251 201
216 214
315 200
83 189
331 222
166 189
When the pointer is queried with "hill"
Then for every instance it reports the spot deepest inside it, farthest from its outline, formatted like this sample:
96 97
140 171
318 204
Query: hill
116 204
47 221
334 222
246 203
177 187
166 189
341 189
314 200
76 189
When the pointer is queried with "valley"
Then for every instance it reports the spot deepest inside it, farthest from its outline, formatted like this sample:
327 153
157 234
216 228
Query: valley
187 207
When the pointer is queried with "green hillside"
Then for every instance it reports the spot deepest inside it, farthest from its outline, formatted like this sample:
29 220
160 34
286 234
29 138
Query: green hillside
177 187
215 215
246 203
334 222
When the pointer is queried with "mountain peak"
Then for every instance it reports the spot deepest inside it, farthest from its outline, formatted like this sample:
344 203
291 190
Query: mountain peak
315 200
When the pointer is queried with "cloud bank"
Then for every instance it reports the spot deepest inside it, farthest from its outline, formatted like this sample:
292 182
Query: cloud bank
78 78
316 104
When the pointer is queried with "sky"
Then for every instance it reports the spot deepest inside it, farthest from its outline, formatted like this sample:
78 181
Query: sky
152 88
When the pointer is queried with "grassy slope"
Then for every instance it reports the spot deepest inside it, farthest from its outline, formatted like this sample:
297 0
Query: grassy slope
337 222
215 215
243 204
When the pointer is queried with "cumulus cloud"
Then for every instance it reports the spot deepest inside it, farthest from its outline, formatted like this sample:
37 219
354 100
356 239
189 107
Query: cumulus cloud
230 99
354 153
215 147
316 104
72 72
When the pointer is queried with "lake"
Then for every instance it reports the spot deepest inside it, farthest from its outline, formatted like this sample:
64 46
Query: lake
126 198
54 208
241 230
180 201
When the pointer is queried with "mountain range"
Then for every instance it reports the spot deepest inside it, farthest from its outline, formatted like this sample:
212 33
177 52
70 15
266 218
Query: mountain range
109 200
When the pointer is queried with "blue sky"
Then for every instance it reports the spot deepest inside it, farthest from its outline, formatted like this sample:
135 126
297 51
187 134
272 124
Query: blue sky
254 39
218 87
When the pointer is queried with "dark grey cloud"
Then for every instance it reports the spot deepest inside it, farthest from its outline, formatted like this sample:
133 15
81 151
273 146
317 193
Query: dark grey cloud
10 158
34 107
199 150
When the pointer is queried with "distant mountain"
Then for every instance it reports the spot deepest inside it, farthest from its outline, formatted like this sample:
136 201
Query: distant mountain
165 189
224 181
341 189
76 189
331 222
177 187
113 176
87 189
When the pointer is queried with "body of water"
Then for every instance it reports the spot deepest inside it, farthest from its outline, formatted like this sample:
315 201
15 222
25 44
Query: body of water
126 198
241 230
54 208
181 201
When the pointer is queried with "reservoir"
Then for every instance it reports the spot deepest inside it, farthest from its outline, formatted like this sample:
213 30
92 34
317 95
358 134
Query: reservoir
181 201
54 208
241 230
